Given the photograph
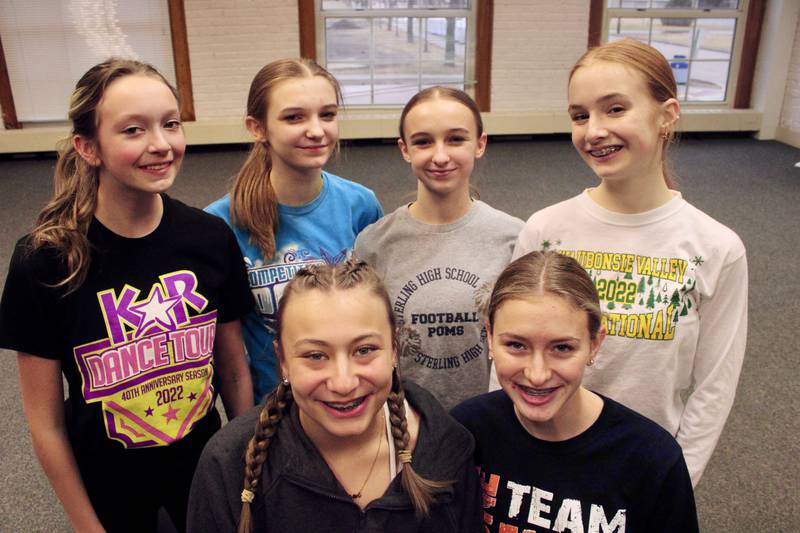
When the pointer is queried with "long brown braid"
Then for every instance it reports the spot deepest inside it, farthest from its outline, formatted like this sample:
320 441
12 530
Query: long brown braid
419 489
275 407
342 276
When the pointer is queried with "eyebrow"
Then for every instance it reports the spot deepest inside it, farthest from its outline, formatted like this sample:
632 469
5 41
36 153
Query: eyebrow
295 109
144 118
320 342
452 130
515 336
601 100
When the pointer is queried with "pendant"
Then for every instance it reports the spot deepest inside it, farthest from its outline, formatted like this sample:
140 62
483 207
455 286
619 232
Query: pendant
356 495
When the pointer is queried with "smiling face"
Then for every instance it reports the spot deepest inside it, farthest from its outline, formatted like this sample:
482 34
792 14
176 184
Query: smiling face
442 143
616 123
301 125
541 346
140 141
336 351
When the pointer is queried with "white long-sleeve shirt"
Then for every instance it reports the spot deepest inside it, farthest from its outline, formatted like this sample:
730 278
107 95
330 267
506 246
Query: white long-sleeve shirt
673 289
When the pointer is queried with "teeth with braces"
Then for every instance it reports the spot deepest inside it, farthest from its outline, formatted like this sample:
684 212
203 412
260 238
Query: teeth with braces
605 151
536 392
345 406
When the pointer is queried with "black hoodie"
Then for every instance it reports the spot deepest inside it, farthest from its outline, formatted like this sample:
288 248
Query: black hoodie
299 492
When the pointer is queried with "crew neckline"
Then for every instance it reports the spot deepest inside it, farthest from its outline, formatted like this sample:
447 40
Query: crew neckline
442 228
572 445
631 219
111 236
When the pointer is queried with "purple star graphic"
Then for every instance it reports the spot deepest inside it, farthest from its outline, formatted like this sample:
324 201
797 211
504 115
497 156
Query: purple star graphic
193 396
155 311
171 414
149 411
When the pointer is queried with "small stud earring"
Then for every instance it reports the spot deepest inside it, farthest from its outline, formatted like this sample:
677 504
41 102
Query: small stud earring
285 382
591 362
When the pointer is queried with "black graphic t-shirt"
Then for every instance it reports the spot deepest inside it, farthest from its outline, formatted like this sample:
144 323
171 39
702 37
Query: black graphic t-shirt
623 474
136 340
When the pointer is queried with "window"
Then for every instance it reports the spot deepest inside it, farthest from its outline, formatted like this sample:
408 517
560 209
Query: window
49 44
700 38
384 51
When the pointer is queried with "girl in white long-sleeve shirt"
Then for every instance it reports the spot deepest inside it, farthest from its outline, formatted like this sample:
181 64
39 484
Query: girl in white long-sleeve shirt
672 280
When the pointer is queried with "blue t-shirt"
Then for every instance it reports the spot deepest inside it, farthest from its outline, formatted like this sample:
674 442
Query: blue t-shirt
322 231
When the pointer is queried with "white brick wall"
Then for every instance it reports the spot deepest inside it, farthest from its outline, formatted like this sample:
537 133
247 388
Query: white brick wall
535 45
229 41
790 115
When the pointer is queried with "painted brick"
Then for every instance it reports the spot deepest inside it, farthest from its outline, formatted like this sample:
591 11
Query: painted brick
533 51
229 41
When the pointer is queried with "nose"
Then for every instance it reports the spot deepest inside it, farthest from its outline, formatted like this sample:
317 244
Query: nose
342 379
537 372
440 155
158 142
596 129
314 130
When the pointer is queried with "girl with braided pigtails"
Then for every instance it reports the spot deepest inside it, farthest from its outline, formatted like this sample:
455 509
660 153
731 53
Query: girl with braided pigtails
341 444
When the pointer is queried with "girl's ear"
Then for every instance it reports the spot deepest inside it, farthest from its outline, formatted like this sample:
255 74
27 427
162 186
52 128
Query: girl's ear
597 342
256 129
480 148
404 150
670 113
87 149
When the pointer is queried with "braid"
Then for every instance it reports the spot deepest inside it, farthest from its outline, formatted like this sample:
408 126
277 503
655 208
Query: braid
270 416
419 489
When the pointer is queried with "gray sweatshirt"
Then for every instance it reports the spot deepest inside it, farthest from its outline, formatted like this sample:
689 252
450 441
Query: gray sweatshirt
439 279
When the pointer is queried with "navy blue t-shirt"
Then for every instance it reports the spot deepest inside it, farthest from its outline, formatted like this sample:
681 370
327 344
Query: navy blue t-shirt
624 474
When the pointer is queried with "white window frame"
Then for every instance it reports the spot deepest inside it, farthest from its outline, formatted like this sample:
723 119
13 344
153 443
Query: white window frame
469 13
740 15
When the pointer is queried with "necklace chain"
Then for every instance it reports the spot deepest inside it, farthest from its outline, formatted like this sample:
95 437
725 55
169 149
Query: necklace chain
357 495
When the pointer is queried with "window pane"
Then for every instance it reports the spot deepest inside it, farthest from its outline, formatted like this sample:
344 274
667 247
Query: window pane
707 81
715 38
396 39
635 28
347 39
444 39
674 41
